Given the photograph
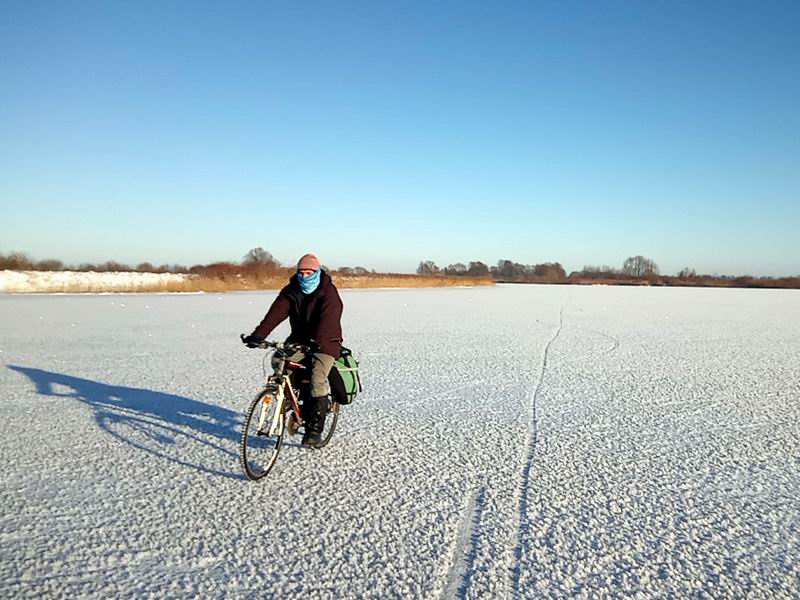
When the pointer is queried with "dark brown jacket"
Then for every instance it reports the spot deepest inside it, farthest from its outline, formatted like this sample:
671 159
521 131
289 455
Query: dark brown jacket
315 316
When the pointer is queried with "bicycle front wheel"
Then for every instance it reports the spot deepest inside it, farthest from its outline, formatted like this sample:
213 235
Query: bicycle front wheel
262 435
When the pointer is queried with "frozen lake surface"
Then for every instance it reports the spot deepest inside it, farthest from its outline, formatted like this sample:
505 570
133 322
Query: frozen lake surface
512 442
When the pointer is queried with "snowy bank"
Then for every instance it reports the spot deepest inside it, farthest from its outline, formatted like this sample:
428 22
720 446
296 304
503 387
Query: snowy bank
76 281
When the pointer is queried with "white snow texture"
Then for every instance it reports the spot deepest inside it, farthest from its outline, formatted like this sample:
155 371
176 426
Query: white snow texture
511 442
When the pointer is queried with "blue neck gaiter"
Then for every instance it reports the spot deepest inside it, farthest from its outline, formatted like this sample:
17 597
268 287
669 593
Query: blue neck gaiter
310 282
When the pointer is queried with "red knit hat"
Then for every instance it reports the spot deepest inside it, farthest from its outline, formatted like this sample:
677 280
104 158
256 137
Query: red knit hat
308 261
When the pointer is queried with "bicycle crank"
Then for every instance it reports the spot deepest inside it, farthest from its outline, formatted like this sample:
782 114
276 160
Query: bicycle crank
292 423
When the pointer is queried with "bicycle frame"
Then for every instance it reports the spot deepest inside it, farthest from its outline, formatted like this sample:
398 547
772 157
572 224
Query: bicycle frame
281 381
281 397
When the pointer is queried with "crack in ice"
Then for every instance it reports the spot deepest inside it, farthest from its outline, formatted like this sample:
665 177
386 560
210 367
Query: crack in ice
525 483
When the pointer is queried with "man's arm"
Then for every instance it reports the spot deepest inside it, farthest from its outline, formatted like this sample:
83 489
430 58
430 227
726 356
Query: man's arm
329 333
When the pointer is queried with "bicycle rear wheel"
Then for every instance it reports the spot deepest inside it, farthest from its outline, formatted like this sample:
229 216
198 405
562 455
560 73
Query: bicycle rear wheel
261 442
330 423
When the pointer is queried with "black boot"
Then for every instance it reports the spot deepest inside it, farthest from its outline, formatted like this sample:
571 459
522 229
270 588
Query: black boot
314 411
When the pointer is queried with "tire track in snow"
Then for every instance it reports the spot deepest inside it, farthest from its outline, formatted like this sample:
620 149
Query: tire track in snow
465 551
525 483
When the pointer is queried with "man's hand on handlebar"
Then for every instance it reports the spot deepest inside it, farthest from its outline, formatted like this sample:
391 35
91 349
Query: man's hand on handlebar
251 341
254 341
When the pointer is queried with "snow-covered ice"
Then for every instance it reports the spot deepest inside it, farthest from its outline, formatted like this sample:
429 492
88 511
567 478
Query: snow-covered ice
513 441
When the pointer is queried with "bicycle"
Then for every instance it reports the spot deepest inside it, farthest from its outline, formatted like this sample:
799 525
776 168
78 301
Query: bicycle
277 409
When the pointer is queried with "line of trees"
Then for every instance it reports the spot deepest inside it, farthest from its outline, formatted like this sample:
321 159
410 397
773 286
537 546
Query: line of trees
257 258
509 270
505 270
256 262
635 267
635 270
20 261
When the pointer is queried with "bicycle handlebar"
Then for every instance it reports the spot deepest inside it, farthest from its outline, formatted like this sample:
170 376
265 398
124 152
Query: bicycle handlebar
289 348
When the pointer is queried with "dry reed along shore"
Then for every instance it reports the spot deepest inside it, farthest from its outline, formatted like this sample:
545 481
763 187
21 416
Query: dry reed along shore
276 282
229 282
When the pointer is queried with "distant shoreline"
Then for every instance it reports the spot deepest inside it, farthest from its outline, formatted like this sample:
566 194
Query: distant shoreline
79 282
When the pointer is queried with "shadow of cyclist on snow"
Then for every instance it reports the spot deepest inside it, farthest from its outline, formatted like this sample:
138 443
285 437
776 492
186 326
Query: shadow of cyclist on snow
162 424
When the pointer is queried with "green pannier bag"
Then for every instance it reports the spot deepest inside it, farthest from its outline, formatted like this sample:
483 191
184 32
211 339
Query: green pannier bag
347 386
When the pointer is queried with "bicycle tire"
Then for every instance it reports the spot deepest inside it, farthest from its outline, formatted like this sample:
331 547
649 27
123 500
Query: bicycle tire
330 424
259 450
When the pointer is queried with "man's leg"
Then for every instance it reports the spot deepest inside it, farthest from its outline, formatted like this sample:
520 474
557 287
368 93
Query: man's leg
321 365
316 407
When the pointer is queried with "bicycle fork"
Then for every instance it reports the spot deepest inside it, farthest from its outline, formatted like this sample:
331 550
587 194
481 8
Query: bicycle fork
277 419
276 425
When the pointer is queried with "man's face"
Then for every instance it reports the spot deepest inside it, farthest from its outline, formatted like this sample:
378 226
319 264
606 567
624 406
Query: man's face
305 272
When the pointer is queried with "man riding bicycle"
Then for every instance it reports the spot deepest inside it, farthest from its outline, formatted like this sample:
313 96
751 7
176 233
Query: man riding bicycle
314 308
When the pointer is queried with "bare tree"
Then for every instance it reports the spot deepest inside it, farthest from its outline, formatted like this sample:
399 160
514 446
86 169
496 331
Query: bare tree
551 271
598 271
112 265
49 264
505 268
427 267
478 269
456 269
639 266
259 256
521 270
16 261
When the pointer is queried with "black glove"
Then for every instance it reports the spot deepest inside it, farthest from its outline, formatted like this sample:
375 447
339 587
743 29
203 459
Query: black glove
251 341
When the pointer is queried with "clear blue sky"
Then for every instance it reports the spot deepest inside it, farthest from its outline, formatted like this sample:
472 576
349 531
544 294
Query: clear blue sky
385 133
